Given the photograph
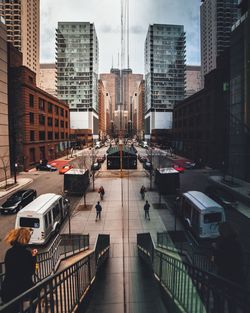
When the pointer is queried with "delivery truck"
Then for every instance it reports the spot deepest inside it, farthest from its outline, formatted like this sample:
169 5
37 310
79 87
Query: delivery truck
76 181
167 180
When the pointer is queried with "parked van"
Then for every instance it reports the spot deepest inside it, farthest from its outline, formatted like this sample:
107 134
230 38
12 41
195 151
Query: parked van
201 214
44 216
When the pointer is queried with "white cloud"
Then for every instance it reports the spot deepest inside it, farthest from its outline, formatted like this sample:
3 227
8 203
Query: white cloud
106 16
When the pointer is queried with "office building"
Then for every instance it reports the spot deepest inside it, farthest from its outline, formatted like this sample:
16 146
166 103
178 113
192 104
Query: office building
239 143
164 74
77 73
216 20
4 128
47 78
193 79
22 18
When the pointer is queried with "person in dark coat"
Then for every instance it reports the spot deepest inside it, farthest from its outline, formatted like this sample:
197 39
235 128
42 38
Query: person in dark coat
101 191
20 265
146 210
228 254
98 211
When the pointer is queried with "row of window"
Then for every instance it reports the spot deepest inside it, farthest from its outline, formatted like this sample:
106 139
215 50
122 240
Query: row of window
49 121
50 135
50 107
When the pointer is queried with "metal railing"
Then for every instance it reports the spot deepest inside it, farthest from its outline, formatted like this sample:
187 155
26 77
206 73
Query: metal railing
63 291
190 289
63 246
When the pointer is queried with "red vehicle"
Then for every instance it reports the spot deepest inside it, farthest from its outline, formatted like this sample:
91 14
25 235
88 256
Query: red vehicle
65 168
179 168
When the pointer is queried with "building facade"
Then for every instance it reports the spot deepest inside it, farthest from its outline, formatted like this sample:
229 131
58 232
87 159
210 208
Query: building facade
22 18
47 78
164 74
39 122
141 104
77 73
239 143
102 111
4 128
216 19
193 79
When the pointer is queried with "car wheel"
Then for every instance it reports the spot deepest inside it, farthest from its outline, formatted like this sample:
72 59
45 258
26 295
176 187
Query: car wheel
34 197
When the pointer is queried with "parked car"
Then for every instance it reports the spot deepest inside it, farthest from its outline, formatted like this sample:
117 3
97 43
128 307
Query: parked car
221 196
18 200
47 167
192 165
147 165
95 166
65 168
142 158
179 168
101 159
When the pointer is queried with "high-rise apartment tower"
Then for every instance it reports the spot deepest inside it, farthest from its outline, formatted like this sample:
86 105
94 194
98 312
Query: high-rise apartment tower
77 72
22 20
164 74
216 18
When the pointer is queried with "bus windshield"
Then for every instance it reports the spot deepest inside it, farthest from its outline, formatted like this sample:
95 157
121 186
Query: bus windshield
212 218
29 222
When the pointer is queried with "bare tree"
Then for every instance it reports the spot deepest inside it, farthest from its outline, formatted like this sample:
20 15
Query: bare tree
5 166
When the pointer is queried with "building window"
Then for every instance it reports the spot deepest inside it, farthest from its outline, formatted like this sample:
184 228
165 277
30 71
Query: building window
31 100
32 155
41 104
62 135
50 107
50 135
41 135
50 121
66 124
56 110
66 113
61 112
56 122
56 135
62 123
31 118
31 79
32 135
41 119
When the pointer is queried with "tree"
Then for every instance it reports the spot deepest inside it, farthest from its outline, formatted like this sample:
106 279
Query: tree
5 167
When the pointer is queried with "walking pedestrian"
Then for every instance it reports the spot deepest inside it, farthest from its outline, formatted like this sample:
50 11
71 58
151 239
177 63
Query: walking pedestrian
101 192
142 192
98 208
20 265
146 210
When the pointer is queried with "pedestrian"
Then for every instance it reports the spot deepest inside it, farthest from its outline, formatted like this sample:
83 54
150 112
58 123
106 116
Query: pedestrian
228 254
146 210
101 191
98 208
20 266
142 192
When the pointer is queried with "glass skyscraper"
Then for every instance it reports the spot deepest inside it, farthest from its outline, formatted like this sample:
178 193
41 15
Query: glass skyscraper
77 72
164 74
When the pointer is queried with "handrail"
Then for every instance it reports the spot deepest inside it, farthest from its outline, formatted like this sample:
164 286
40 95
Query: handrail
63 291
189 288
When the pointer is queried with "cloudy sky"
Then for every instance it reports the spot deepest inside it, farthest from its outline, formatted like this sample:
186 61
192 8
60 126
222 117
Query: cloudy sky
105 14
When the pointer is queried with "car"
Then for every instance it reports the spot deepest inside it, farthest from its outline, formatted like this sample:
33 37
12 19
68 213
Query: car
179 168
101 159
95 166
147 165
142 158
65 168
47 167
221 196
18 200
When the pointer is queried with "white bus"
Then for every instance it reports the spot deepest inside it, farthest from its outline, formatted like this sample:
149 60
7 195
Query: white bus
201 214
44 216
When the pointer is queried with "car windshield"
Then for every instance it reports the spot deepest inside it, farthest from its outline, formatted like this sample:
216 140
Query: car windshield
15 197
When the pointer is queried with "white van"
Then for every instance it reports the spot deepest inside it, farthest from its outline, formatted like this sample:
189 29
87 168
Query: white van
144 144
201 214
44 216
98 145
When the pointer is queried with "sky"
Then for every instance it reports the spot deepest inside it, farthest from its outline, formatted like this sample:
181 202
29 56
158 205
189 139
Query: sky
106 15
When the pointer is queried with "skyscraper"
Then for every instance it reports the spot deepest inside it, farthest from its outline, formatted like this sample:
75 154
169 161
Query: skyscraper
22 19
77 72
164 74
216 18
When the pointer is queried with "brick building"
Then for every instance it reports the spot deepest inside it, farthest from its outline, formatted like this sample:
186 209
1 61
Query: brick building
39 122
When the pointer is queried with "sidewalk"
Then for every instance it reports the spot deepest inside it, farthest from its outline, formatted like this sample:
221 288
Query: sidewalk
21 182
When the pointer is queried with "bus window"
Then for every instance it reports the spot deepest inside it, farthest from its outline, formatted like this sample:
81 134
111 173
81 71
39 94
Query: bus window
55 211
49 217
187 209
46 221
212 218
29 222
